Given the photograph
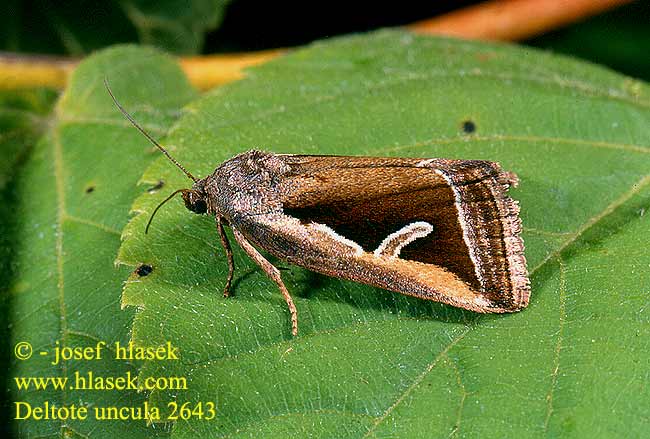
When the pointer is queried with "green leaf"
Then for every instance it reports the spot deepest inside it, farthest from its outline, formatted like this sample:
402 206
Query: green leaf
176 26
69 202
78 27
23 118
371 363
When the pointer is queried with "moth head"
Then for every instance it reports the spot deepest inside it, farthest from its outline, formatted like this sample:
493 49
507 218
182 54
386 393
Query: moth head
195 200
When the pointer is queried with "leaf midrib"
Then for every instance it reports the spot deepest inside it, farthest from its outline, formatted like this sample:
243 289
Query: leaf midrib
60 216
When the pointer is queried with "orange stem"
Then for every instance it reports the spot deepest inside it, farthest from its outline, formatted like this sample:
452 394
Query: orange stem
511 20
208 71
28 71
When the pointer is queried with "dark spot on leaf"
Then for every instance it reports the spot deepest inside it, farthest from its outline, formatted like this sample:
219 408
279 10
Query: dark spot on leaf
156 187
144 270
90 189
468 126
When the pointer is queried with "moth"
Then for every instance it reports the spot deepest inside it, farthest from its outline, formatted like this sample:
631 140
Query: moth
438 229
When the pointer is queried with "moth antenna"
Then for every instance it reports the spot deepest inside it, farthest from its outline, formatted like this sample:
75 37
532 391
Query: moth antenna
146 134
146 230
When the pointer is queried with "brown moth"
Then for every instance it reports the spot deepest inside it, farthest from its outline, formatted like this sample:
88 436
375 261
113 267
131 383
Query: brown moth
437 229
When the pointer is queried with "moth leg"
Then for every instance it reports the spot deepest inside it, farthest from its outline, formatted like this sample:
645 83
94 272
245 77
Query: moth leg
272 272
231 263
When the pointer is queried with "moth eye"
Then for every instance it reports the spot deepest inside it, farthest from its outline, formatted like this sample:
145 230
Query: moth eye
199 206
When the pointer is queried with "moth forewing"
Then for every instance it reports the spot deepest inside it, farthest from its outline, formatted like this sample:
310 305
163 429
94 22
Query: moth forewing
437 229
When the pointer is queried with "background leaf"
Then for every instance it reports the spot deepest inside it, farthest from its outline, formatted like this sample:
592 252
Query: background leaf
23 118
77 27
68 204
377 364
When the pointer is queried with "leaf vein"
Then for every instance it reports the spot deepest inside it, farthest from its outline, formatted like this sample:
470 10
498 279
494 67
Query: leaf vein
463 396
91 223
574 236
518 138
558 346
60 215
417 381
69 120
